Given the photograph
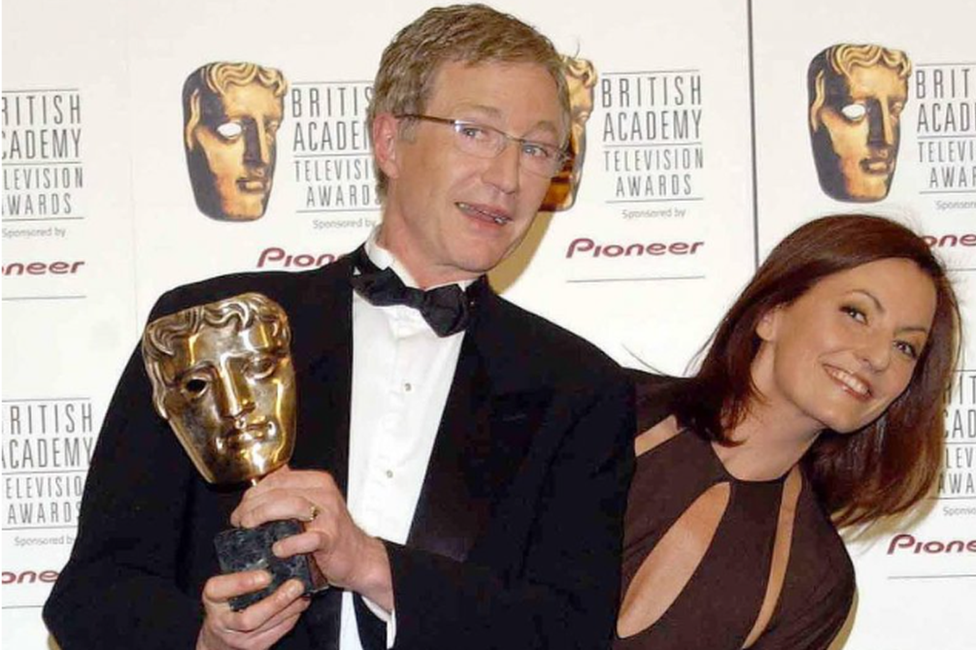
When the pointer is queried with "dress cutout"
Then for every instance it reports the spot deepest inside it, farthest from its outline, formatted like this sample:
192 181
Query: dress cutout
667 569
773 573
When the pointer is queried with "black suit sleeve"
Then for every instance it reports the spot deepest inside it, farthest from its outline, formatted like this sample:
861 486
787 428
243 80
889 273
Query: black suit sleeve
119 588
564 592
144 543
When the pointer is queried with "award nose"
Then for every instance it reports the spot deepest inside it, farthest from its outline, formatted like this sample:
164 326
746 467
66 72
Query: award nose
236 398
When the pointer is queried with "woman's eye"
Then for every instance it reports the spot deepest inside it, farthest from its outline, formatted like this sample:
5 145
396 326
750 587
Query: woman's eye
854 313
907 349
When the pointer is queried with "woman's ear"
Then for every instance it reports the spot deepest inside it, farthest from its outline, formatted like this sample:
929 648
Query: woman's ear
768 324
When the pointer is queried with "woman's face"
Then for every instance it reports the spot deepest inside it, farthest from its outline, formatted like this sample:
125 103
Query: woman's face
839 355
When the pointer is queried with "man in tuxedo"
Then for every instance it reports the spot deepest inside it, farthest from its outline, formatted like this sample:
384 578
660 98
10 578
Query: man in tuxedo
461 464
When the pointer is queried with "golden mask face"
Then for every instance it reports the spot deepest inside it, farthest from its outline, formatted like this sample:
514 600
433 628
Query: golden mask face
231 150
227 390
580 78
856 132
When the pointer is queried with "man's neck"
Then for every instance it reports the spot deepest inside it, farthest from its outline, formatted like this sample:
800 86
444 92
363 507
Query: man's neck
423 274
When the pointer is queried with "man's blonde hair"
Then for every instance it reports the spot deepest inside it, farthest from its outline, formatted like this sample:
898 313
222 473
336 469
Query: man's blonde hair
470 34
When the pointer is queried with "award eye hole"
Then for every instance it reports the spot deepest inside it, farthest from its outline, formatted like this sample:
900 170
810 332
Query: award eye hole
195 387
854 111
230 130
262 367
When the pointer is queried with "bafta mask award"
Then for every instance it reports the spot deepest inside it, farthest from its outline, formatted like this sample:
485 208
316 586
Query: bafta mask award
223 378
581 77
856 97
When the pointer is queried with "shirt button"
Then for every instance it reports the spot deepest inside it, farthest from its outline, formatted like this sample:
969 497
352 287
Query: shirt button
407 387
389 473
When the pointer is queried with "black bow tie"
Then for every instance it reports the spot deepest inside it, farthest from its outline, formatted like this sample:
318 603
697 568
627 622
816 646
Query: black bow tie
446 309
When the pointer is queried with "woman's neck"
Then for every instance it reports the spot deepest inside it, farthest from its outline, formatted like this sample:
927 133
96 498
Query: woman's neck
770 443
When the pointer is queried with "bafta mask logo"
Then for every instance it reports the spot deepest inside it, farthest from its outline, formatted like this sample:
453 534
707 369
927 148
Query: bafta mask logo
857 94
580 78
222 375
231 115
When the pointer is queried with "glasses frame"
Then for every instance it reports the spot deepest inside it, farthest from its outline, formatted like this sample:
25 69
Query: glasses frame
559 160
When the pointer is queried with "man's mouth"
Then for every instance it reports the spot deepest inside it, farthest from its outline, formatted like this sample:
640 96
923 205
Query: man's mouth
485 213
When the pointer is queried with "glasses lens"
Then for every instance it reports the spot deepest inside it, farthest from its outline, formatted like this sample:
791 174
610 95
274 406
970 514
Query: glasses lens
478 140
541 159
483 141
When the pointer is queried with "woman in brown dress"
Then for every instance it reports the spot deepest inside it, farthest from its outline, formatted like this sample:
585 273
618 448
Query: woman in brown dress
819 405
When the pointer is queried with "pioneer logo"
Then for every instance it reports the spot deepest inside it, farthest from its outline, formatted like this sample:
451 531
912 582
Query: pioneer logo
586 247
29 576
278 258
905 543
41 268
951 240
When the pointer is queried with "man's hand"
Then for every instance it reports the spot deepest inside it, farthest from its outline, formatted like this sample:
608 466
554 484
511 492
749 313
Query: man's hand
344 553
259 626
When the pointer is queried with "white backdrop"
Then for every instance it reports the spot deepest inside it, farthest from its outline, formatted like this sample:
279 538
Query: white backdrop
99 218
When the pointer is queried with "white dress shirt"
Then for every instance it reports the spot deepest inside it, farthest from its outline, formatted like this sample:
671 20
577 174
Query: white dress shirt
401 375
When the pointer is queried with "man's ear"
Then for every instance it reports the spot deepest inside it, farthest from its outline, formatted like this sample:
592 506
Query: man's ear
768 325
385 143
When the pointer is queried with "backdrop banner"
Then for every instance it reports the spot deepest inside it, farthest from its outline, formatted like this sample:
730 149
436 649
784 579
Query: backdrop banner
703 132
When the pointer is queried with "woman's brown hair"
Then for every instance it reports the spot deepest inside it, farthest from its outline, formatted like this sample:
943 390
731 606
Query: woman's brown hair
890 464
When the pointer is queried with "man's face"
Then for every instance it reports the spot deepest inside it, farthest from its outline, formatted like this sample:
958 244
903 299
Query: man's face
856 144
452 216
233 156
232 401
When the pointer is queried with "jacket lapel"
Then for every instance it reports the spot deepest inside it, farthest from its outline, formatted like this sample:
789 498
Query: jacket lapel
321 319
483 438
322 350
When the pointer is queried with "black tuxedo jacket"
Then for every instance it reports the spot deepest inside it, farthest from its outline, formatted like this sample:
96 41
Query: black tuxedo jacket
516 539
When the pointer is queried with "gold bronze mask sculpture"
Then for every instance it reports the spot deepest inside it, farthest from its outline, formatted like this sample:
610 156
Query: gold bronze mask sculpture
223 378
580 79
231 115
856 95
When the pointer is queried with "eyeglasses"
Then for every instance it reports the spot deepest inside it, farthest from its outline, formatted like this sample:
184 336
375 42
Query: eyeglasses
485 141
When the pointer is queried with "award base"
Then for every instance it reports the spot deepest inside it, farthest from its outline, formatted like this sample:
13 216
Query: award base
248 549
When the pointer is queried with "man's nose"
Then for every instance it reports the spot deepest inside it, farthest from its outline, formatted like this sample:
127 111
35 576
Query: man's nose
503 169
